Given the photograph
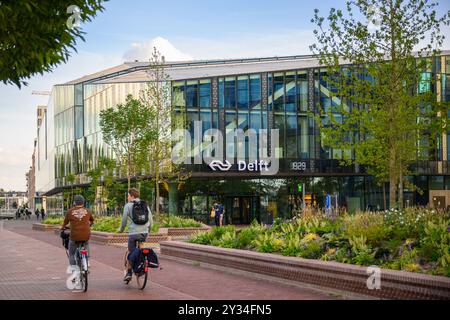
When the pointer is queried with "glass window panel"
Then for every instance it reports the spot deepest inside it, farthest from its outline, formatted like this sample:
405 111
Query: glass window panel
291 136
192 94
302 91
255 124
205 93
437 182
278 89
270 89
79 122
205 118
255 92
243 123
215 120
242 92
79 94
221 93
303 141
290 91
279 124
178 100
230 93
264 120
230 126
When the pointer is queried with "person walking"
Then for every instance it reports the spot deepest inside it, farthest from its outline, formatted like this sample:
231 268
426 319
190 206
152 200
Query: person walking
219 211
80 220
36 212
43 214
138 216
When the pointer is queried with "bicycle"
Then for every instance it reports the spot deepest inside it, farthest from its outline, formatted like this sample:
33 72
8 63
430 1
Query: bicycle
148 259
81 258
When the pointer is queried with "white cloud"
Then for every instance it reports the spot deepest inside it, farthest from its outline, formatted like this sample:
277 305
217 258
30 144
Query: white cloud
142 50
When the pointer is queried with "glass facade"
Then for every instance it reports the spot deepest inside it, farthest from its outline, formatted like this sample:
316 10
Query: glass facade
285 100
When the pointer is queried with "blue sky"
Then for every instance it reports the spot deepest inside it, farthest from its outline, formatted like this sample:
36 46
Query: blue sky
181 29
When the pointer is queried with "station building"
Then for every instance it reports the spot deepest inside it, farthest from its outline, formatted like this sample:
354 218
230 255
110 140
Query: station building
264 93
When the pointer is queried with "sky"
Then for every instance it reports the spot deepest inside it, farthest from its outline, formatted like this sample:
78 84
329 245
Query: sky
181 30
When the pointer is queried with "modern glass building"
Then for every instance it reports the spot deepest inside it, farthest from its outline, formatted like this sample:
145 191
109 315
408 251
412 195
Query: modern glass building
266 93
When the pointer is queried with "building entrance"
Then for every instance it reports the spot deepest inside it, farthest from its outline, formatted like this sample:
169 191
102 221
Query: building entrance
242 209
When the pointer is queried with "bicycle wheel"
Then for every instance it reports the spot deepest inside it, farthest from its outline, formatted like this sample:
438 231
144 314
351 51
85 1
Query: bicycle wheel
142 280
125 266
84 273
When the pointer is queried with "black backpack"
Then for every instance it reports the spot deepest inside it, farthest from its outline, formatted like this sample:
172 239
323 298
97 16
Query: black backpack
139 214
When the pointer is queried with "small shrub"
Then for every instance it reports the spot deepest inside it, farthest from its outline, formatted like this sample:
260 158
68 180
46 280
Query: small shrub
291 245
267 242
200 238
362 253
369 225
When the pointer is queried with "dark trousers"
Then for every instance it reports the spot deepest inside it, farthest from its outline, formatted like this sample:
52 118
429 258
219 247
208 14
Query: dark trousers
217 219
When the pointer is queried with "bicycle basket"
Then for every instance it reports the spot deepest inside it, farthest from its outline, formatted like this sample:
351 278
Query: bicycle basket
65 236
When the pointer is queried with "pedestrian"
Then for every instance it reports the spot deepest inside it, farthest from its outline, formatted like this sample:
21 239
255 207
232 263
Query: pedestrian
37 214
43 214
28 212
216 214
213 212
219 214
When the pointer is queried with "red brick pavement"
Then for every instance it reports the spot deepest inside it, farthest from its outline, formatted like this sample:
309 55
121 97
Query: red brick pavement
33 264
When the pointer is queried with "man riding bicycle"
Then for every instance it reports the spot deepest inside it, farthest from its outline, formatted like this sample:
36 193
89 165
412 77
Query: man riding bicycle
141 221
80 220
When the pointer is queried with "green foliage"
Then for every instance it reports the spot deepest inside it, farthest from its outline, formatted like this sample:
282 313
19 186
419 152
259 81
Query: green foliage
248 235
369 225
267 242
311 246
54 220
291 245
128 130
362 239
437 239
35 38
201 238
107 224
178 222
227 240
380 93
362 253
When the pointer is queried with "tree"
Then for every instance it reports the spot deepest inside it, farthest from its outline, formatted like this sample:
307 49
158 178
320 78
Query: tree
382 106
128 130
70 178
157 98
35 36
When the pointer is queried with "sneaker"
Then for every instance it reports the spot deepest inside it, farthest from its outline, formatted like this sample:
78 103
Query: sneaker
128 276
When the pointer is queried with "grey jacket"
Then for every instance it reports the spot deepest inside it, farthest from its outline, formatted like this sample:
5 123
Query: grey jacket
132 227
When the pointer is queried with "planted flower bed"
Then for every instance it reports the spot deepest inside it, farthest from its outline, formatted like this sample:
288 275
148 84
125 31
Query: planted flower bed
414 240
106 228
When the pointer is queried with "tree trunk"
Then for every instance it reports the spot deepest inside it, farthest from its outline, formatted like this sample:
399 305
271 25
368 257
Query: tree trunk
400 189
392 179
157 193
384 195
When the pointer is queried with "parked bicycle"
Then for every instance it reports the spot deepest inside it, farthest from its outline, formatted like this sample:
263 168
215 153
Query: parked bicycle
144 259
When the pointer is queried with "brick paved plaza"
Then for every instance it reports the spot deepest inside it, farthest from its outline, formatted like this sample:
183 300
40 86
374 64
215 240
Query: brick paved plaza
33 265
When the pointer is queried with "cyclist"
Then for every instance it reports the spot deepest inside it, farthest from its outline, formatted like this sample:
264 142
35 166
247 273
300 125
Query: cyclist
138 229
80 220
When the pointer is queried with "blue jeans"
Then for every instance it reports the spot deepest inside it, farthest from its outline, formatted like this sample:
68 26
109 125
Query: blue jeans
132 238
73 245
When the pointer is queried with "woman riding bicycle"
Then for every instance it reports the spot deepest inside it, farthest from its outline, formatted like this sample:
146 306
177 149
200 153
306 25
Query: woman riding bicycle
80 220
141 220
